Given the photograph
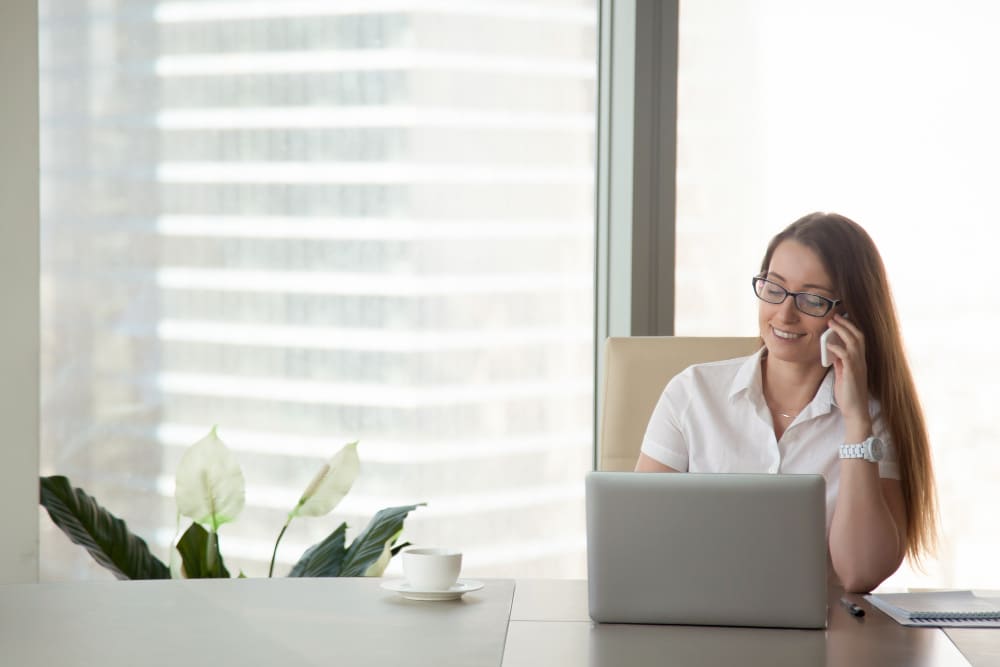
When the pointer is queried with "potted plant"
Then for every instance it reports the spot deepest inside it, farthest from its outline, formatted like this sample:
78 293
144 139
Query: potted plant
210 491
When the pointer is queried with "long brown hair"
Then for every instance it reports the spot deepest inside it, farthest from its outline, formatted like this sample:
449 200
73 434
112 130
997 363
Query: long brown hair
855 266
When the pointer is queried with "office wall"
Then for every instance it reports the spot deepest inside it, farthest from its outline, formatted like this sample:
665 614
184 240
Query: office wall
19 291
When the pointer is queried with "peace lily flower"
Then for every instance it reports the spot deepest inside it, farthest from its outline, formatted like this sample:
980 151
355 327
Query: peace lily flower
330 484
210 488
325 491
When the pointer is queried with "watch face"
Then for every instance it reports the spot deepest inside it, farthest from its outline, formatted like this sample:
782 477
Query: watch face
877 449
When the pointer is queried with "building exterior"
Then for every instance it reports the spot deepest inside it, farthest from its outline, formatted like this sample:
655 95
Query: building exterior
309 224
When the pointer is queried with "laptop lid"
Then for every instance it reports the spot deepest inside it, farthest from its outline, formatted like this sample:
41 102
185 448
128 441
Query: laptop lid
707 549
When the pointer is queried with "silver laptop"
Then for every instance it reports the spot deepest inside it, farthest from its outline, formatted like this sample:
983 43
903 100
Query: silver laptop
707 549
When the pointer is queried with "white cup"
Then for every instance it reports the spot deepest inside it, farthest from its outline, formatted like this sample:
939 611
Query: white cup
429 569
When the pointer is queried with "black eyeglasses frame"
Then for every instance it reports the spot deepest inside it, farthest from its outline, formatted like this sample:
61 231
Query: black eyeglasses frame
830 303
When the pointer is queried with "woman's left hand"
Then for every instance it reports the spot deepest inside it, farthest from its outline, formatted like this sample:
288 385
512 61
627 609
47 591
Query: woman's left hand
850 386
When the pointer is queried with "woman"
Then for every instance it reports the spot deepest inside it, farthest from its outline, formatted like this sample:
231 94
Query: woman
781 410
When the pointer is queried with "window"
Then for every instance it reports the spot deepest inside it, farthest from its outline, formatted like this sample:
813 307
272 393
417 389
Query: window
879 112
312 223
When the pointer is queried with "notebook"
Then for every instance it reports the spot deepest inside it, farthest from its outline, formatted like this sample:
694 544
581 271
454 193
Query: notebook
948 609
707 549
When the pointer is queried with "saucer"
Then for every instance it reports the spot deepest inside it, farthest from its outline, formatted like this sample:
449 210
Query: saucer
460 588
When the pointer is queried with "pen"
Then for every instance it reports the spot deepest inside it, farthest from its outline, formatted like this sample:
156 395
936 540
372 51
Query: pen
852 608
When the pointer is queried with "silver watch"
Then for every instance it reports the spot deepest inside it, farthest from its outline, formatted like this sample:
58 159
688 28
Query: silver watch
871 449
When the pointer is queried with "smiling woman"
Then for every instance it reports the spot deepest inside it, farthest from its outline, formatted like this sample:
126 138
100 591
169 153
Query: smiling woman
782 411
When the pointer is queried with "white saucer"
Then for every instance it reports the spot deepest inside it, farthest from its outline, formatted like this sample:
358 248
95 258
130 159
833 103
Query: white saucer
461 587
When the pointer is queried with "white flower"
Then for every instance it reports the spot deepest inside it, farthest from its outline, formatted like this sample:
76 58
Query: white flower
330 484
210 487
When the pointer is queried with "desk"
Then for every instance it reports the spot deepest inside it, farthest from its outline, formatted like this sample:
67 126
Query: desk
247 623
323 622
550 626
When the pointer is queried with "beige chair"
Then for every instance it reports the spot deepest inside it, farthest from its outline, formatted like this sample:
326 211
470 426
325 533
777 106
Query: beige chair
636 370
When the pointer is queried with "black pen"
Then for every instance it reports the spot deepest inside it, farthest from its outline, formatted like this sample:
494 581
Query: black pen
852 608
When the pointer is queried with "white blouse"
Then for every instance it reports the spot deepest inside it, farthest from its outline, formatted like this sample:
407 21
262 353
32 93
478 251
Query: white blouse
713 418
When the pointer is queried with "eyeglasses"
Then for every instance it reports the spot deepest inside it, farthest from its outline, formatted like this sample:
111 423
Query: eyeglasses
810 304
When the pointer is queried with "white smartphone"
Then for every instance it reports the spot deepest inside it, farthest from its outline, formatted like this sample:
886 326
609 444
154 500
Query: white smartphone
825 357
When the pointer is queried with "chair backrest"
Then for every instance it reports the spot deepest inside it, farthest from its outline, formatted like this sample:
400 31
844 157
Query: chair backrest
636 369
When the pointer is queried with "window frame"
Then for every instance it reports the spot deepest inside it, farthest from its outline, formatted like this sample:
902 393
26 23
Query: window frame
19 291
636 166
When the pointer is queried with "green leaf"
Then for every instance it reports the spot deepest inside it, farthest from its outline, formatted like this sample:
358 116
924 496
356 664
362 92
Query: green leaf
330 484
324 558
105 536
199 551
210 487
368 546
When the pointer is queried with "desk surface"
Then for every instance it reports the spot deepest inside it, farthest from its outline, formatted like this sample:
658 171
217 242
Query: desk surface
247 622
353 621
550 625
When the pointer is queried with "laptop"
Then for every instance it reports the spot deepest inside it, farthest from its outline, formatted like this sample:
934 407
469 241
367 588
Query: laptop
707 549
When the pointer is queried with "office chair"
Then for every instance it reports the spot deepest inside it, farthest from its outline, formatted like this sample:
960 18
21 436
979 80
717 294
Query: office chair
636 369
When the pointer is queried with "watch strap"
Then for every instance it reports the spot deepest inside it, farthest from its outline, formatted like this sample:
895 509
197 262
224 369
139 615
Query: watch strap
869 449
852 451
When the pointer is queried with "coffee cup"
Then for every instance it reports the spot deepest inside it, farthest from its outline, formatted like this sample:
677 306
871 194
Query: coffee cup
431 569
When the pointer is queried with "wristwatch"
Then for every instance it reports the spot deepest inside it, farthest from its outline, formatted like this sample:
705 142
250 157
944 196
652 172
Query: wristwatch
871 449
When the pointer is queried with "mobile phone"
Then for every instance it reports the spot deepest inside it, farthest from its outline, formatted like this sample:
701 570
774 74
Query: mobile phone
825 357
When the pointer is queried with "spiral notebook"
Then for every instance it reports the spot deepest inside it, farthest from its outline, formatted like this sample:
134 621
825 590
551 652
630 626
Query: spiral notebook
940 609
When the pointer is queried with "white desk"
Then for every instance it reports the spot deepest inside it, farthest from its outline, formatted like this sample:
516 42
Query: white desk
291 622
246 623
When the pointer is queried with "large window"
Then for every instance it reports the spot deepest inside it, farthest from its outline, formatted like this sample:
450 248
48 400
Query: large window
884 112
317 222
